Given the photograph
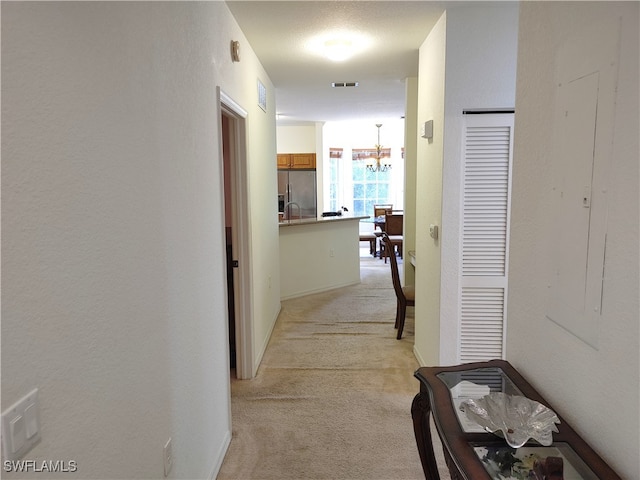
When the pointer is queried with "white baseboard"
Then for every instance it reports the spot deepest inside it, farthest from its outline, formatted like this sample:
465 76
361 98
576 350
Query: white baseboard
263 348
319 290
220 456
418 356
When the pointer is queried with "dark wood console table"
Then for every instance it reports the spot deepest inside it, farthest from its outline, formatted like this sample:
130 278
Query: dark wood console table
466 446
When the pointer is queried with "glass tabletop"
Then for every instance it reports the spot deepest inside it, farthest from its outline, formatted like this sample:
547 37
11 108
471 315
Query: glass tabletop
475 384
472 449
532 461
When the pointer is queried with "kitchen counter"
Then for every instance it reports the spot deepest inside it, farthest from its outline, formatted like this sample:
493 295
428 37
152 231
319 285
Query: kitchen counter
319 254
306 221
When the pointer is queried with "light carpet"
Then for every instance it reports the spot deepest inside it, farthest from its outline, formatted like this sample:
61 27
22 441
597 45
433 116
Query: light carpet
332 397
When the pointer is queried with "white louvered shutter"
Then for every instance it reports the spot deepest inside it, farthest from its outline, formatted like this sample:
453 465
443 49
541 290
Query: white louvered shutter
485 235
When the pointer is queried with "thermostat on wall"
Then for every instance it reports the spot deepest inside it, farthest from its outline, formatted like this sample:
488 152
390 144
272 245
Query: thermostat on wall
427 129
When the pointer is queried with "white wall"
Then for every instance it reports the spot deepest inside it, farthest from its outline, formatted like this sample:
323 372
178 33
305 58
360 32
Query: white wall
468 61
296 138
431 86
482 44
596 389
114 292
410 166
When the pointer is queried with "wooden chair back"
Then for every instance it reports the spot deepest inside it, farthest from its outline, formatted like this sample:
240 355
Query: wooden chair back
395 274
380 210
405 296
394 223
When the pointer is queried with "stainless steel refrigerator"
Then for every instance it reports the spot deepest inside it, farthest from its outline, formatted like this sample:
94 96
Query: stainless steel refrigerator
297 194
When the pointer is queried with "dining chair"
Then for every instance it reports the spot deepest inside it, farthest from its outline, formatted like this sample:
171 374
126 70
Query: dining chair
406 296
371 238
380 209
393 227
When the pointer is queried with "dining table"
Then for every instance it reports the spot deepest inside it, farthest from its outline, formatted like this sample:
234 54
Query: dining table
379 222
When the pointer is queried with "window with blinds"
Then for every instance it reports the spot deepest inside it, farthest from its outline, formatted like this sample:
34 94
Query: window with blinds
486 190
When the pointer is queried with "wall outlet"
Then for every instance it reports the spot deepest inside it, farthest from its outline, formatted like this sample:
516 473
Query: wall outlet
168 457
331 252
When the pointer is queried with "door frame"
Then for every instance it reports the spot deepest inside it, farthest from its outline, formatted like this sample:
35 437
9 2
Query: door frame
240 230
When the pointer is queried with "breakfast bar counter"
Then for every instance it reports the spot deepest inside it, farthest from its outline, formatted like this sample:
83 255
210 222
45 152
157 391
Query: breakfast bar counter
306 221
319 254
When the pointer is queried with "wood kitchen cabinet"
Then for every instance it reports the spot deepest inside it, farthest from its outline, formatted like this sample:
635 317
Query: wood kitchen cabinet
296 160
284 159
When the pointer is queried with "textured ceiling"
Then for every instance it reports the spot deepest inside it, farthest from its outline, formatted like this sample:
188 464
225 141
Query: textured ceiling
279 32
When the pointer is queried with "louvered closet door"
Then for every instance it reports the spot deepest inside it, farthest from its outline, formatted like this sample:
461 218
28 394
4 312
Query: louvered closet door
485 235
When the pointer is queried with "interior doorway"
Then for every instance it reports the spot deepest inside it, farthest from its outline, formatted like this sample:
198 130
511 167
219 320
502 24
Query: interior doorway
228 234
233 140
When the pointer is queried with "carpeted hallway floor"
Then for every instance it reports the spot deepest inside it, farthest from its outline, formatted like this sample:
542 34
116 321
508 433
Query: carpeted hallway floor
332 397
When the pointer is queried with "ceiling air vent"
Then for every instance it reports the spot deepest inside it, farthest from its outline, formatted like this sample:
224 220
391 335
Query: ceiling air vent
344 84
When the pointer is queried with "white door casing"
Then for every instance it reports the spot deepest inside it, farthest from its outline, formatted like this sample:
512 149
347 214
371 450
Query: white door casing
241 237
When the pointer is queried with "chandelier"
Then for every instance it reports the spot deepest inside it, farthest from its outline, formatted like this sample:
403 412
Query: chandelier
378 166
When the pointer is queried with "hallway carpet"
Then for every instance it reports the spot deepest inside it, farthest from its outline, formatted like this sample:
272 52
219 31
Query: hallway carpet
332 398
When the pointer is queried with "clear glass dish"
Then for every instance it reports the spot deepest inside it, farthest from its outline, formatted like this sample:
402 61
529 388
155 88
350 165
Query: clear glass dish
514 417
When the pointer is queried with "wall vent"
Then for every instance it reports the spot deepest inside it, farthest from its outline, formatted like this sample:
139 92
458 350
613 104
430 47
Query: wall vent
344 84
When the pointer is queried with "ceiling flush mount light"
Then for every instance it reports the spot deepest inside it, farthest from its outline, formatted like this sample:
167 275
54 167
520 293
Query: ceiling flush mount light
338 46
379 153
338 49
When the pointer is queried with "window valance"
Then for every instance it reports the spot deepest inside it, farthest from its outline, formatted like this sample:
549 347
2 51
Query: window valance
335 153
366 153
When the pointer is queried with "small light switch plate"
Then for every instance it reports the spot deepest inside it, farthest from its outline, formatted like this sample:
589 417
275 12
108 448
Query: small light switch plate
17 433
21 426
433 231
